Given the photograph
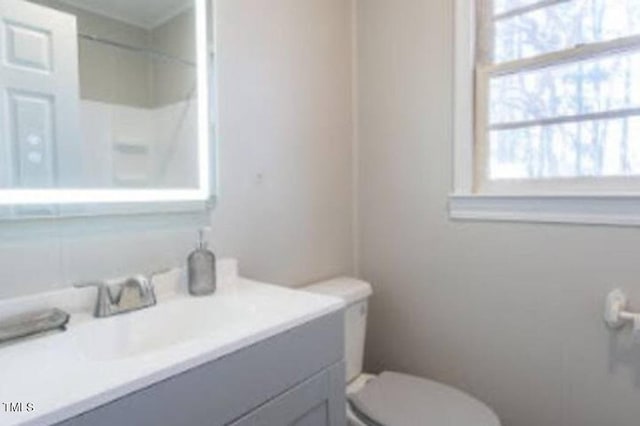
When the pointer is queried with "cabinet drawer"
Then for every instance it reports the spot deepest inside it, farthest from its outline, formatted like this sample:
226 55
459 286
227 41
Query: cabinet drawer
320 401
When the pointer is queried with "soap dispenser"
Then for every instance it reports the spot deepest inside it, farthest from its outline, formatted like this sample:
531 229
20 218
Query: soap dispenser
202 268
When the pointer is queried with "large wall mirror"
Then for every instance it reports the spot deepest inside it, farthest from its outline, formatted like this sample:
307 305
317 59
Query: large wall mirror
105 104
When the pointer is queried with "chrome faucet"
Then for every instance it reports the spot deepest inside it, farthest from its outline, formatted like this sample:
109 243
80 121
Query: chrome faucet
121 296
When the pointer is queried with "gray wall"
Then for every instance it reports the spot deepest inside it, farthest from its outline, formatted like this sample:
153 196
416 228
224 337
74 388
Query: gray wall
285 165
509 312
285 137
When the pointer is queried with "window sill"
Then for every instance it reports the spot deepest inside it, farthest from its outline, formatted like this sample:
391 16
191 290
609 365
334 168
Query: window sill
618 210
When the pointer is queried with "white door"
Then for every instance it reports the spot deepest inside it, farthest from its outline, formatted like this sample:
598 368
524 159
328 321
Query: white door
39 97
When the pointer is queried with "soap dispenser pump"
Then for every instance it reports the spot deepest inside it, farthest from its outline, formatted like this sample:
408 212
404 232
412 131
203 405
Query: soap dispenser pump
202 268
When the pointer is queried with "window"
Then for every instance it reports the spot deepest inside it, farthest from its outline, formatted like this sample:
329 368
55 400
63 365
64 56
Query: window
552 91
558 89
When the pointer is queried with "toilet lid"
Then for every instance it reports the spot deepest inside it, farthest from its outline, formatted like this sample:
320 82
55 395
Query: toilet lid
394 399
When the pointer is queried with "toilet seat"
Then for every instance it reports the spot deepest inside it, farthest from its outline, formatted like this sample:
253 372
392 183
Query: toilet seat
394 399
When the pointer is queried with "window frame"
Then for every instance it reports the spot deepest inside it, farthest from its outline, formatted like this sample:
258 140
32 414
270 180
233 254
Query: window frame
598 200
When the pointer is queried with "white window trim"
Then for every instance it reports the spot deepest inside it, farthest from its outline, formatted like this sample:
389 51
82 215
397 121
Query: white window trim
620 208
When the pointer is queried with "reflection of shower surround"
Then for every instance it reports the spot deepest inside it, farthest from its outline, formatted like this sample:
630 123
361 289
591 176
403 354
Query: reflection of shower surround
139 147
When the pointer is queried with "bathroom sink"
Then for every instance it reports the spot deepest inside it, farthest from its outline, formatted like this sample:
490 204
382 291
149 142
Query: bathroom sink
144 347
167 325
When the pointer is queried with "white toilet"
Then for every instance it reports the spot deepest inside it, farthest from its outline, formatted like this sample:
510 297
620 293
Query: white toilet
393 399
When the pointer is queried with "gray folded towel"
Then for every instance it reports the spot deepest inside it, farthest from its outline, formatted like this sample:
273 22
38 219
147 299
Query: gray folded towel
31 323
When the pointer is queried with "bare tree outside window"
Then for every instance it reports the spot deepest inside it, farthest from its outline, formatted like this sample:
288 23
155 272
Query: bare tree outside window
571 116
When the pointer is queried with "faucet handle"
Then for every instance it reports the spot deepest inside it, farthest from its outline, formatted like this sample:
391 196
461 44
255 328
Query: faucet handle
122 295
104 301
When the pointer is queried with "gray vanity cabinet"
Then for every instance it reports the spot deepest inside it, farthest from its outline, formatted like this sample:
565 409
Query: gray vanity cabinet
309 404
293 379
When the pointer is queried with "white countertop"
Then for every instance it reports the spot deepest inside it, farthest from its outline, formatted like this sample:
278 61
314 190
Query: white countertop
99 360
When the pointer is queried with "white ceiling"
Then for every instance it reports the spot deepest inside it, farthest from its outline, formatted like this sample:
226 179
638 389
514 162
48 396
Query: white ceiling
143 13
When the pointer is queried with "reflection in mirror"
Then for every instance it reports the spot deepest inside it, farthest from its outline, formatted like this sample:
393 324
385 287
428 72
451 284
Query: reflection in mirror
99 95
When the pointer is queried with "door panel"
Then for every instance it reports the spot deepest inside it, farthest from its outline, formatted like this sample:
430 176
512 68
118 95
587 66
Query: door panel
31 125
28 48
39 96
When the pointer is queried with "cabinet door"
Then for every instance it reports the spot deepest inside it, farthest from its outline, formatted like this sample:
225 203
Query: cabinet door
317 402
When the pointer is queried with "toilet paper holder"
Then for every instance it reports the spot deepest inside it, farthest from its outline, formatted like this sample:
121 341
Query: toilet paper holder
616 315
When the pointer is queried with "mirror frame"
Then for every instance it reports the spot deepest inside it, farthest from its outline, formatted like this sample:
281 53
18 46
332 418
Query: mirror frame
89 202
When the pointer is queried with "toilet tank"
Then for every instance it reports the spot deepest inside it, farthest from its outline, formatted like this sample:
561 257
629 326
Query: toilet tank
356 295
